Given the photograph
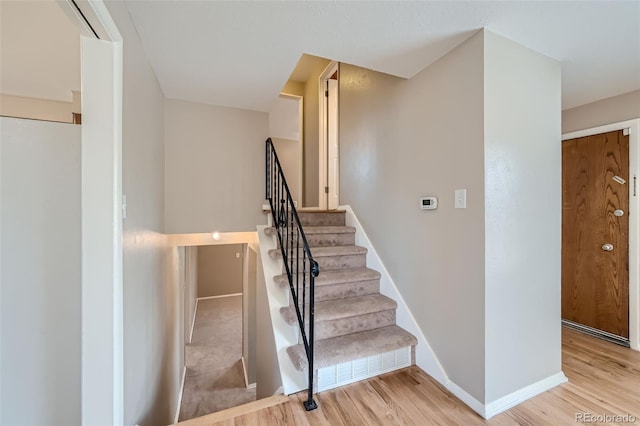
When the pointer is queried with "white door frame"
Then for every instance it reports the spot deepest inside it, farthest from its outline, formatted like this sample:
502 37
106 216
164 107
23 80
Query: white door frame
634 220
102 341
323 139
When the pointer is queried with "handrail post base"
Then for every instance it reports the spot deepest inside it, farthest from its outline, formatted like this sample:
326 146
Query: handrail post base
310 405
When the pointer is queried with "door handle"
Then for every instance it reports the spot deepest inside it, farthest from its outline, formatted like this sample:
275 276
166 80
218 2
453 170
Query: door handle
607 247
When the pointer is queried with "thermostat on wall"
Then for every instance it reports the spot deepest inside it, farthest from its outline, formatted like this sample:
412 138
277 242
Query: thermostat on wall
428 203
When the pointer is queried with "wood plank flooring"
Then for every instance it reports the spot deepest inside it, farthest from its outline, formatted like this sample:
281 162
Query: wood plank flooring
604 379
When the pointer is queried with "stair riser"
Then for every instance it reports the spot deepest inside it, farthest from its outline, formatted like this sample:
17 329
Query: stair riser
328 240
342 290
322 219
343 326
330 263
338 291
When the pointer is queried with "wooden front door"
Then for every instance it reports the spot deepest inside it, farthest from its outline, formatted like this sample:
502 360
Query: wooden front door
595 232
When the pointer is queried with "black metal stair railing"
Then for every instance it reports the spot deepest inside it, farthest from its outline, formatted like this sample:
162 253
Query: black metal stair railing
299 265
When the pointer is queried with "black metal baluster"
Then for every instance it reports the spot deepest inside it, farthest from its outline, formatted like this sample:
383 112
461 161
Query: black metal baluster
289 232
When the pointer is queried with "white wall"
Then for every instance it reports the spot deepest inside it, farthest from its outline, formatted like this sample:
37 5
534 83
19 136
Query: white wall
483 282
294 88
522 162
39 109
606 111
285 130
268 379
153 353
290 156
214 175
40 281
404 139
220 270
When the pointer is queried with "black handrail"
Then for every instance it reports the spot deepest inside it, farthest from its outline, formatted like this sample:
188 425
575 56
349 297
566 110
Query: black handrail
298 266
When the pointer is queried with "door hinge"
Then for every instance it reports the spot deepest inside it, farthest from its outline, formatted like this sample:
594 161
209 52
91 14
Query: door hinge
326 189
634 185
326 93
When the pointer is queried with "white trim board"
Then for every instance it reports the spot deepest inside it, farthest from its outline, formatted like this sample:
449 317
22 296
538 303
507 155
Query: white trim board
184 376
219 297
102 356
634 218
246 378
244 372
193 321
521 395
508 401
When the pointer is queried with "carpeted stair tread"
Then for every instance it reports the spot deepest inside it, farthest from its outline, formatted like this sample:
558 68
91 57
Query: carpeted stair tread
317 252
344 308
321 218
337 276
346 348
317 210
312 230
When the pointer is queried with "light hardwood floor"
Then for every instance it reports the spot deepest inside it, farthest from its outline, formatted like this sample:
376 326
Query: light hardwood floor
604 379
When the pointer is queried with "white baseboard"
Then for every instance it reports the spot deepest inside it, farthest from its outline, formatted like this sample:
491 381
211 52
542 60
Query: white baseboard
220 297
508 401
244 371
193 321
465 397
515 398
184 376
251 386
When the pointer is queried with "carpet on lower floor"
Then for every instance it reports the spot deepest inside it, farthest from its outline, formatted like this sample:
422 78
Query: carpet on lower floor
215 377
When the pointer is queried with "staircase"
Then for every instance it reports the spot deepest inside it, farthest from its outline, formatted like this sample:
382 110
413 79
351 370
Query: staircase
356 335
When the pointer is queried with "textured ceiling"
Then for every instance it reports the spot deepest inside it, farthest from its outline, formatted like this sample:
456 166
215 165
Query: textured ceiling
241 53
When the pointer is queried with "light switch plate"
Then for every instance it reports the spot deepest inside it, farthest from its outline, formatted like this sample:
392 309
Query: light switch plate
461 198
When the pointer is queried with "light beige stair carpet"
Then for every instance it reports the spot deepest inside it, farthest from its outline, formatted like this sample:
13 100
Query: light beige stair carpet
353 319
215 378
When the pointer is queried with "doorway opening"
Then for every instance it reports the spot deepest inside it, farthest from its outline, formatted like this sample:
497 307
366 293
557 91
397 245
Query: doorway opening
329 167
600 232
218 277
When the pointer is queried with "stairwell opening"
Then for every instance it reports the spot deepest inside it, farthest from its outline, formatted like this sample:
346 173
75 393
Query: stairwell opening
218 317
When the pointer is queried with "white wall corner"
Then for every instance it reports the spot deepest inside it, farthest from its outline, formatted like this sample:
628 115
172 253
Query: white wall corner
465 397
426 358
